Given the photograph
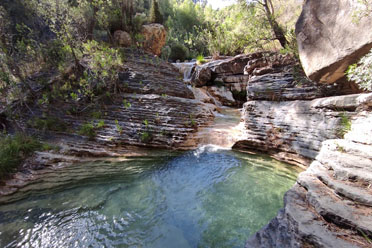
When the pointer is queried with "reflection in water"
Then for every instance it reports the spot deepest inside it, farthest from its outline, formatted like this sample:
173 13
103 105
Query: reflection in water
209 198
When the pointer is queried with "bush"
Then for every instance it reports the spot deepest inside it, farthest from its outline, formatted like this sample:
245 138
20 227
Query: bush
89 130
200 60
178 52
361 73
13 150
49 123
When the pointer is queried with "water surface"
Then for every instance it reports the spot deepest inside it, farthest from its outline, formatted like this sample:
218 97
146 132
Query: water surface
203 198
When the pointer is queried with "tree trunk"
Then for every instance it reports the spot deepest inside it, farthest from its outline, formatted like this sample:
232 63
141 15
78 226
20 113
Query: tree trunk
278 31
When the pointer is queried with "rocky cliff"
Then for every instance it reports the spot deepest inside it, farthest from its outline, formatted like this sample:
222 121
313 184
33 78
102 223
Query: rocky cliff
330 205
153 109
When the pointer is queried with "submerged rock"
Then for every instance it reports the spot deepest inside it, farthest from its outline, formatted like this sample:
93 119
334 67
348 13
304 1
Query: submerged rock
330 38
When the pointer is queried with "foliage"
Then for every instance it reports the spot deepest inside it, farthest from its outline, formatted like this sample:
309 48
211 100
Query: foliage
48 123
178 52
155 15
361 73
345 125
13 150
146 136
103 66
200 60
89 130
118 127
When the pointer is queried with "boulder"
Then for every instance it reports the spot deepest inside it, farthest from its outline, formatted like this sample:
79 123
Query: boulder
154 38
208 72
122 38
330 39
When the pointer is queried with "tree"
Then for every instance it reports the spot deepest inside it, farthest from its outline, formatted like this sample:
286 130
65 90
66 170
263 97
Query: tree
269 10
155 15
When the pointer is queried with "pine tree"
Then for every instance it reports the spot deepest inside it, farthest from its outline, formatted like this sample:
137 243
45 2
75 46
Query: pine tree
155 15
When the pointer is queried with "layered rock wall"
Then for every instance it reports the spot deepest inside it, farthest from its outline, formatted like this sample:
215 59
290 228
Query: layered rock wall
293 131
331 203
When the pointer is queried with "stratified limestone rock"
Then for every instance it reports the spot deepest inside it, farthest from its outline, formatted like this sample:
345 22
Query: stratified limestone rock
153 109
223 95
330 39
331 203
294 131
154 38
281 87
207 73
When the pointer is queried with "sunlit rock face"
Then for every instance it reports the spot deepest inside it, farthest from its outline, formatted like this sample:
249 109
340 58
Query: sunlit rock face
154 38
331 203
330 38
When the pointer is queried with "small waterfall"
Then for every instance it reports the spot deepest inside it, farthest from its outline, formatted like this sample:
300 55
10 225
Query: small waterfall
223 133
186 69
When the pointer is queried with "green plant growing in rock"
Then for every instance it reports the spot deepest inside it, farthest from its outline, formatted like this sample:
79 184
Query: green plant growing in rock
126 104
200 60
146 136
47 123
193 123
13 150
361 72
118 127
345 125
89 130
340 148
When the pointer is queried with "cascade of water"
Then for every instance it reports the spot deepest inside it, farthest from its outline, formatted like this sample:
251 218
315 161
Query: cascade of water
223 133
186 69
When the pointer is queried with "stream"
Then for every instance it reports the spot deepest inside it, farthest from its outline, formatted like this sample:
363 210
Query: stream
209 197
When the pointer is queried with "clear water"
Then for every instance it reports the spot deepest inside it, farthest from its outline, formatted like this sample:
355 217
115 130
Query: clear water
203 198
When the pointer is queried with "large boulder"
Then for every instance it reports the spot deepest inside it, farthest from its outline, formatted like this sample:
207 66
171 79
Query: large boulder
330 39
122 38
154 38
208 72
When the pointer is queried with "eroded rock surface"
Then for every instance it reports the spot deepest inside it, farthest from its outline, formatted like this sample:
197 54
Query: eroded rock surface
154 38
330 38
294 130
331 203
153 109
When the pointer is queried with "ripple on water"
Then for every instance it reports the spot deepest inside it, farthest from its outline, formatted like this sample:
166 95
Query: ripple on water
204 198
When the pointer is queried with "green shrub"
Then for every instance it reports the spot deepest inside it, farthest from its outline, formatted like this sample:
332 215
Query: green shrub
200 60
178 52
146 136
138 21
49 123
13 150
361 73
89 130
345 125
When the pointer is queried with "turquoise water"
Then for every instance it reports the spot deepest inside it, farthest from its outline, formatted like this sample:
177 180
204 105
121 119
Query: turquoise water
203 198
